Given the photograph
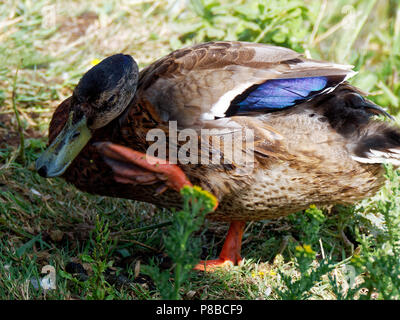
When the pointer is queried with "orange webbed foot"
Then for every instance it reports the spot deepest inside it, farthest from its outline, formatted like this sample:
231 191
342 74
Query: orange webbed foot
134 167
230 253
212 265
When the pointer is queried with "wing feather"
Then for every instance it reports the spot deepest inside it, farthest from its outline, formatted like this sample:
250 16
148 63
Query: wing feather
196 85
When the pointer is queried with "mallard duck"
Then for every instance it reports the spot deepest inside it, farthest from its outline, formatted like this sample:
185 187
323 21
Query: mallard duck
314 140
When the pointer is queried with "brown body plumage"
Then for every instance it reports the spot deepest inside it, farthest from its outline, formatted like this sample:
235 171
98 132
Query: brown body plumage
303 154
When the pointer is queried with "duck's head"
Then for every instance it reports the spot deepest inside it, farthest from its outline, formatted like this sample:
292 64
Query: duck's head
101 95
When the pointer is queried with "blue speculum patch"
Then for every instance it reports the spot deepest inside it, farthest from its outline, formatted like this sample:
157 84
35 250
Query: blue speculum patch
282 93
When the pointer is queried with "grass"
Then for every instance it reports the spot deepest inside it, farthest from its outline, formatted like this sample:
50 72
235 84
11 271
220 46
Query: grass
100 246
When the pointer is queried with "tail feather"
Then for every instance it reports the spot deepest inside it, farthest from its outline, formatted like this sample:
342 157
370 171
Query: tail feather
379 144
383 157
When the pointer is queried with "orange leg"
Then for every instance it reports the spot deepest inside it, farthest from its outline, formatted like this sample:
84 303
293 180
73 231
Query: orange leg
230 253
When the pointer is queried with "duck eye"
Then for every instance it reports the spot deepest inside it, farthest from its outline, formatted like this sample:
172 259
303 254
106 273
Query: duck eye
76 135
111 100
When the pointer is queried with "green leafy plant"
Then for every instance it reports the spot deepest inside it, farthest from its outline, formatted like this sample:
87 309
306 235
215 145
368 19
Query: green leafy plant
377 262
96 287
310 223
281 22
380 262
180 245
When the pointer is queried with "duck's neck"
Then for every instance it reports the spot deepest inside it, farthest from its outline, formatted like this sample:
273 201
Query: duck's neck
132 125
